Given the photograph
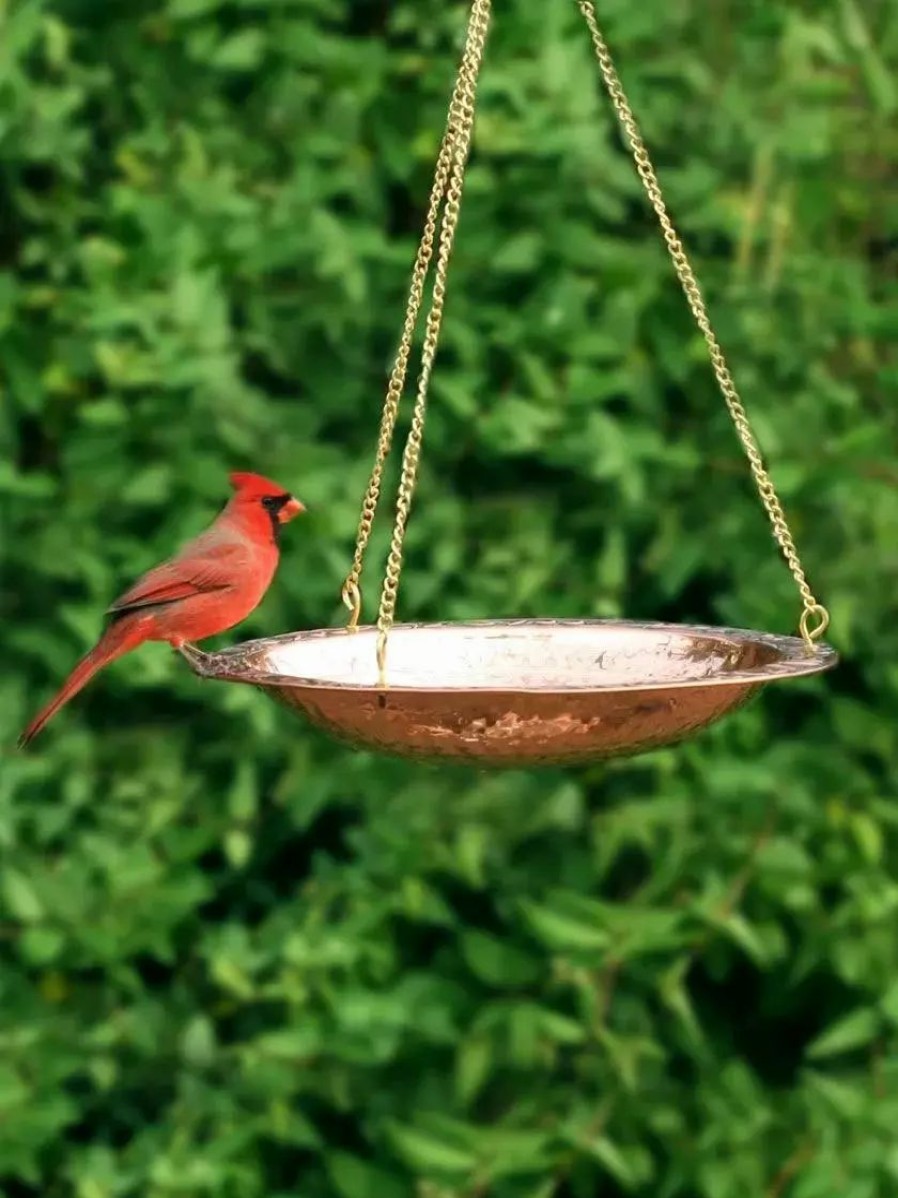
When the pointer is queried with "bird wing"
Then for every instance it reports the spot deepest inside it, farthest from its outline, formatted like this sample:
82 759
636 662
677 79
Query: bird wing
203 567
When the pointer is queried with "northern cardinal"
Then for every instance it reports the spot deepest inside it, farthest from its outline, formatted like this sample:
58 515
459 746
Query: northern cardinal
213 583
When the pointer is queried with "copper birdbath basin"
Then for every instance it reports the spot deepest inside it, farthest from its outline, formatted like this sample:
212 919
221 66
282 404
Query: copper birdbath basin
514 693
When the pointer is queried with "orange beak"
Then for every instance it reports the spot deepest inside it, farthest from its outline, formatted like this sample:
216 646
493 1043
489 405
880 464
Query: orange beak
290 509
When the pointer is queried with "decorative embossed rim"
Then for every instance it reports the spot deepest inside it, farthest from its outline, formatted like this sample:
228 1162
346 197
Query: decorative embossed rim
794 659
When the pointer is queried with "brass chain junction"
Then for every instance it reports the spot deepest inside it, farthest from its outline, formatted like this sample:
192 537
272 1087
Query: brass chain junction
447 190
814 617
447 187
351 594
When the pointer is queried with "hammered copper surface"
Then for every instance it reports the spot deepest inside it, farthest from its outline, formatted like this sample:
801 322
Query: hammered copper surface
517 692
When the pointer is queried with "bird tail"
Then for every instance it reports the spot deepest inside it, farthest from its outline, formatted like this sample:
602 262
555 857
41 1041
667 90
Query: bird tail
118 639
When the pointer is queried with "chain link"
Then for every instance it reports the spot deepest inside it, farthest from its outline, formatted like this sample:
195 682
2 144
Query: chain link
460 110
814 617
461 120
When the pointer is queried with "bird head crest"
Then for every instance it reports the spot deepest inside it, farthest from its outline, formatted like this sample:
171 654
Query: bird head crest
254 486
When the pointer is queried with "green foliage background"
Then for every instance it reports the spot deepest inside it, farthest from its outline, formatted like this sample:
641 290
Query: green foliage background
240 961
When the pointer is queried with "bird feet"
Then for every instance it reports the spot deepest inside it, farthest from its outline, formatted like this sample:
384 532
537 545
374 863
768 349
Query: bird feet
195 657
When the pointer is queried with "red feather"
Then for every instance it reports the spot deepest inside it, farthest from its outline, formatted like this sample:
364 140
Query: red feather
209 565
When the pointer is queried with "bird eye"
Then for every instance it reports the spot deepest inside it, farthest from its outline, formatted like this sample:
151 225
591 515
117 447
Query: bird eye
274 503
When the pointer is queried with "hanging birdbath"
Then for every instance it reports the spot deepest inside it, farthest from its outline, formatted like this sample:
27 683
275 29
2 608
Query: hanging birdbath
520 692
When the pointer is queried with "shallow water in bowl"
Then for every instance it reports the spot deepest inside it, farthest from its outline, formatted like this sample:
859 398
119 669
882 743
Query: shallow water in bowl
526 655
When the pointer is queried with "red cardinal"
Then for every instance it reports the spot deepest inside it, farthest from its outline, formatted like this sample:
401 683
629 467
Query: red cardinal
215 581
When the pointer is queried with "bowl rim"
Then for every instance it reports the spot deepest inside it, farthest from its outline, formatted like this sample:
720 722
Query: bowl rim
795 659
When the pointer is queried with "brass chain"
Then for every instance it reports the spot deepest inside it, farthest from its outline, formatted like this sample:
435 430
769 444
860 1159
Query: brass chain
461 110
447 190
814 617
461 120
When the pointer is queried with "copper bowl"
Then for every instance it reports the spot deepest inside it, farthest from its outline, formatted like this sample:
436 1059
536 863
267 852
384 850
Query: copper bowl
517 692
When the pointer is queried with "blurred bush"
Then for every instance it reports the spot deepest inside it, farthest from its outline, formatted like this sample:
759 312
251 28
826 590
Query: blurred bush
240 961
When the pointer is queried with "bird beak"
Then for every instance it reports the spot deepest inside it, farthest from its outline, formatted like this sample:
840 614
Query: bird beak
291 508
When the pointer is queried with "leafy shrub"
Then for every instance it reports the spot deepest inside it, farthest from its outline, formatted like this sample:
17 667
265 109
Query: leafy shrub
241 961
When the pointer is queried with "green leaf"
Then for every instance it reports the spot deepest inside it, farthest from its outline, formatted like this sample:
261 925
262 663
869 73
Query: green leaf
353 1177
432 1155
20 896
473 1061
675 995
288 1044
185 9
613 1160
559 929
852 1031
741 932
242 51
889 1004
238 846
41 945
198 1042
561 1028
497 962
850 1101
